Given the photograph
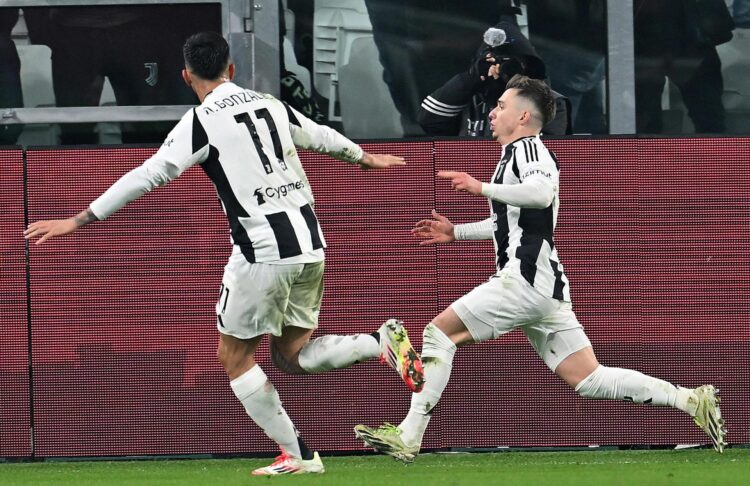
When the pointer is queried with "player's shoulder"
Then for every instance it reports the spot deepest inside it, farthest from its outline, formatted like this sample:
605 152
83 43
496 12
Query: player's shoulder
182 127
531 150
525 149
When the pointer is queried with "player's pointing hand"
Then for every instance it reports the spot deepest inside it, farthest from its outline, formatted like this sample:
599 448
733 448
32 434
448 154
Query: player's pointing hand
461 181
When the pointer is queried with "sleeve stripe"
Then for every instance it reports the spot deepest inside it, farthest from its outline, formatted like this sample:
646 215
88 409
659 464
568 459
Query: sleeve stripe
446 106
200 137
530 152
439 111
524 153
292 117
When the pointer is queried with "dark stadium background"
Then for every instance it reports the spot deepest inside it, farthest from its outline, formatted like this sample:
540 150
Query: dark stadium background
108 338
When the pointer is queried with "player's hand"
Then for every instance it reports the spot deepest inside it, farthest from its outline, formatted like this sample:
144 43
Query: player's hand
432 231
380 161
461 181
50 228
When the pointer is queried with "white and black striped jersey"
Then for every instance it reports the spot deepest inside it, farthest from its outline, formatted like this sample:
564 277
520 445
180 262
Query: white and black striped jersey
245 142
523 237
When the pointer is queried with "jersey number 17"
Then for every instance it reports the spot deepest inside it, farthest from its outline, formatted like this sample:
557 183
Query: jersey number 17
277 150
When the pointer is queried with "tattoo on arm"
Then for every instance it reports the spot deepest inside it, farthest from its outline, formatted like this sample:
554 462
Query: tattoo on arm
85 217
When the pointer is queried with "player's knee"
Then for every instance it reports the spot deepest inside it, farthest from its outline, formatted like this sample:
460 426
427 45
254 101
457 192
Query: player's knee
435 338
232 362
590 385
587 392
602 383
289 365
233 358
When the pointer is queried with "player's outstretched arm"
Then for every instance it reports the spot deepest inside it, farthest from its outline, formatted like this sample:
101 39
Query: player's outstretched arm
44 230
379 161
533 192
433 231
322 139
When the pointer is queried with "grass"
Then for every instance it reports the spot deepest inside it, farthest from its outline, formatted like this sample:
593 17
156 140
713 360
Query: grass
659 467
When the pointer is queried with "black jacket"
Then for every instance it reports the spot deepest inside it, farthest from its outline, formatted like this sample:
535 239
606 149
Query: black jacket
462 105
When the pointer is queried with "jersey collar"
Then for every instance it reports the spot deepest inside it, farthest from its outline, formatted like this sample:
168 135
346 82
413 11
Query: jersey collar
522 138
220 87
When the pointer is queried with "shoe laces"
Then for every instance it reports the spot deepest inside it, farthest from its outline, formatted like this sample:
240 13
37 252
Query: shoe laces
281 458
390 429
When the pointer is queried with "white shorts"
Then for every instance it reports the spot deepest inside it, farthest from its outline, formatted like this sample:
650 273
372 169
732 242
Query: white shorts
258 298
507 301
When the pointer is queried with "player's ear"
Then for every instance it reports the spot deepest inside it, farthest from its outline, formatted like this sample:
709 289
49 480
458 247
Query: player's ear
230 71
525 117
186 77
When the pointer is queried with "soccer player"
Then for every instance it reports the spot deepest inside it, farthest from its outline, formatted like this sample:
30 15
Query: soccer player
529 290
273 283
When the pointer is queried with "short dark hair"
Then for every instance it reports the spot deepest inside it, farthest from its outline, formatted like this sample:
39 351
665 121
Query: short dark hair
206 55
537 92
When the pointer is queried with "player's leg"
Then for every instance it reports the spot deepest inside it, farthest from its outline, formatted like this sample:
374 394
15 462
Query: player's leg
251 304
592 380
441 338
582 371
293 352
484 313
562 343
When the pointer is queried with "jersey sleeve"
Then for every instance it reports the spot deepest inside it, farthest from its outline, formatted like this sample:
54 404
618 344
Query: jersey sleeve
322 139
480 230
178 152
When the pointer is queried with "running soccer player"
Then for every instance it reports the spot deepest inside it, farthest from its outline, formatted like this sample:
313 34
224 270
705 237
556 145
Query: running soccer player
273 283
529 291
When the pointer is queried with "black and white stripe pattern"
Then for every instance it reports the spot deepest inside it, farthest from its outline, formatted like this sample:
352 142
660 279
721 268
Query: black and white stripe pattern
246 143
523 237
254 165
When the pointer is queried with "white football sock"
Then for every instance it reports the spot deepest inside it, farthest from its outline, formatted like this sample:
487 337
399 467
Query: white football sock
263 405
624 384
334 352
437 359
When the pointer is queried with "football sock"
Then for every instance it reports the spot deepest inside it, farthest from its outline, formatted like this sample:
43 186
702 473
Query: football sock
437 359
263 405
623 384
334 352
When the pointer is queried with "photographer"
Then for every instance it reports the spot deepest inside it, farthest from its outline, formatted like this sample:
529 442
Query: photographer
504 53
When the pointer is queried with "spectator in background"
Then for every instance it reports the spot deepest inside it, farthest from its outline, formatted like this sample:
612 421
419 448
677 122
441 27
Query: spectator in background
504 53
675 39
130 46
570 35
10 75
423 43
